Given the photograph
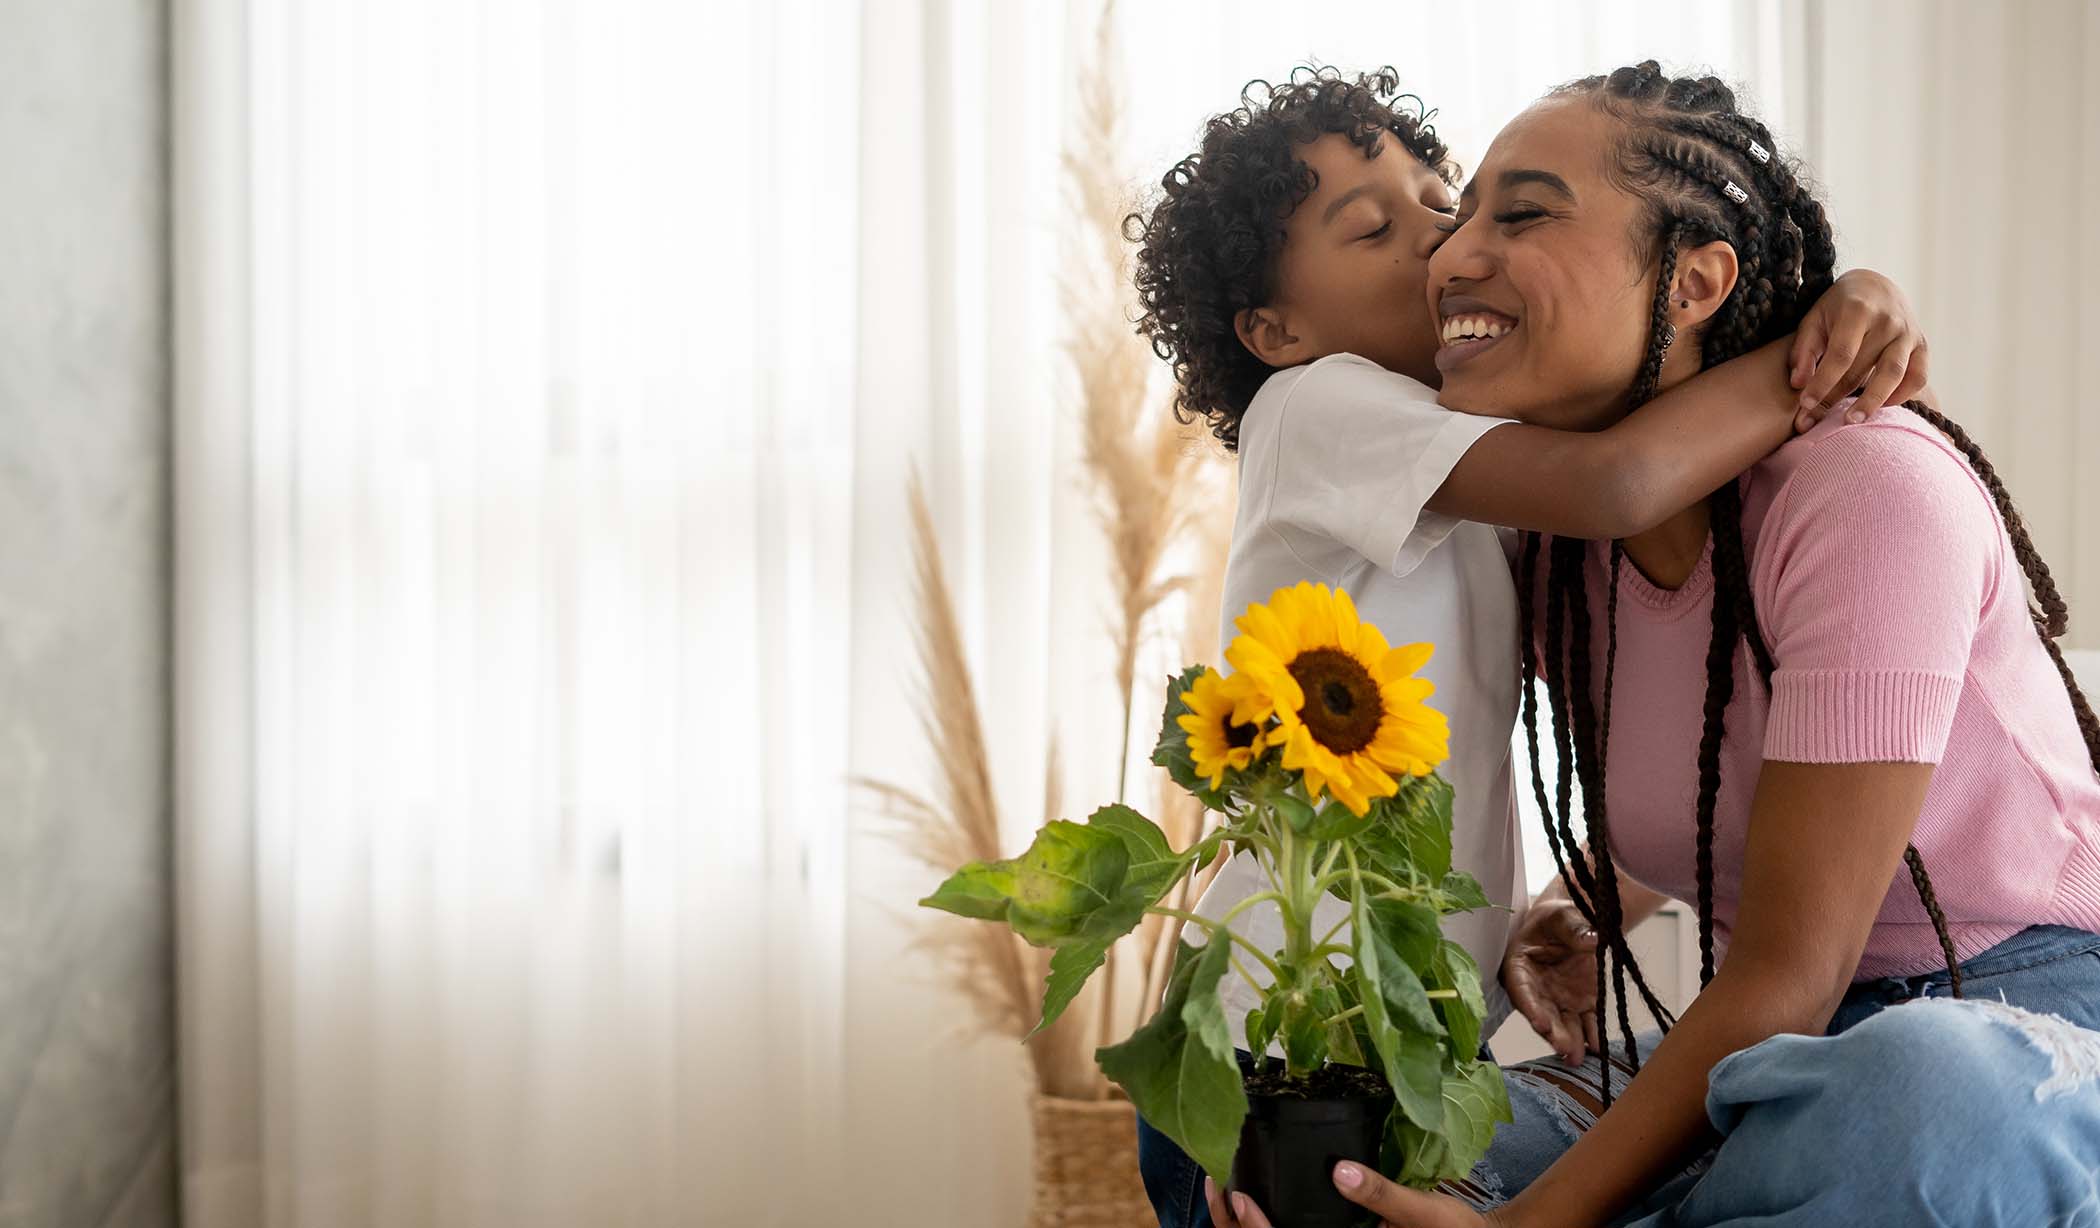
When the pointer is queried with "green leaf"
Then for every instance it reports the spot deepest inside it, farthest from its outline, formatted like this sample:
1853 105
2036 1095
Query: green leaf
1474 1099
1410 928
1336 822
1070 873
1179 1068
1360 1030
1078 888
981 890
1305 1028
1411 838
1455 969
1172 750
1295 811
1151 870
1340 1041
1462 893
1259 1032
1403 1025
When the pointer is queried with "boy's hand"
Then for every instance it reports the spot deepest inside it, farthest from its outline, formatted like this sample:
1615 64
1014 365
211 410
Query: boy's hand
1861 332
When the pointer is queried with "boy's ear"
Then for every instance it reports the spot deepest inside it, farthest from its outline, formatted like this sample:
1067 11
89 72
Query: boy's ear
1263 331
1705 276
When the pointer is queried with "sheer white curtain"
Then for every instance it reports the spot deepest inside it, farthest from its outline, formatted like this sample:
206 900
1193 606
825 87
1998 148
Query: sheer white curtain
548 377
517 431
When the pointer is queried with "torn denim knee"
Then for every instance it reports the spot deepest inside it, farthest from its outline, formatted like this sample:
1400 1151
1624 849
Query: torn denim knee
2073 1051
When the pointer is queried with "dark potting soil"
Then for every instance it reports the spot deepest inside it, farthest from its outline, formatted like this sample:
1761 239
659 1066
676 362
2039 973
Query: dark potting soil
1331 1082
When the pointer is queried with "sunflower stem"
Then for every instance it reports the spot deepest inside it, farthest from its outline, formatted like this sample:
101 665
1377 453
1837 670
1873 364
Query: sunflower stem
1365 876
1213 928
1249 902
1333 851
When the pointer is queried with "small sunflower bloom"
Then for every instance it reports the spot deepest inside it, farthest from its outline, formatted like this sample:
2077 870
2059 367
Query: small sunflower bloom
1218 740
1350 713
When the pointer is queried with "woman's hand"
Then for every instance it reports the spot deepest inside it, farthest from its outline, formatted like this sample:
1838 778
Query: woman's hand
1399 1206
1860 334
1549 968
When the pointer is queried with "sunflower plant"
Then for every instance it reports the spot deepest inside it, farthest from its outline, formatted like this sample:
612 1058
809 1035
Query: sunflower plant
1319 754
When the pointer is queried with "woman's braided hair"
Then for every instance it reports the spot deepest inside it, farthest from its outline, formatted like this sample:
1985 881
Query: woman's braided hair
1707 172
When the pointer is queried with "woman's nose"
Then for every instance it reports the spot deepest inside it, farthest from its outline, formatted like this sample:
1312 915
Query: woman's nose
1461 257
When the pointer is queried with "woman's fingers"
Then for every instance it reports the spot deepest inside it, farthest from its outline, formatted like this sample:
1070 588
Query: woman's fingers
1399 1206
1234 1210
1589 1033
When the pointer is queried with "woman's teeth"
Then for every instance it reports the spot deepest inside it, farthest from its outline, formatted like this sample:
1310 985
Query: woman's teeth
1473 328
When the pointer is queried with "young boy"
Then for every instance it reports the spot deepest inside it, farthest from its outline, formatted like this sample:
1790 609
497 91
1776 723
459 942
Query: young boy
1283 274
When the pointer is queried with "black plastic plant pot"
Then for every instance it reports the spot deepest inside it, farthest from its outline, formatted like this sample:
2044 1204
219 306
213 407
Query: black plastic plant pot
1292 1139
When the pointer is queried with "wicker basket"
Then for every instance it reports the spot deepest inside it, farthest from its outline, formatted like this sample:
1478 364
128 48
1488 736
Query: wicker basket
1086 1167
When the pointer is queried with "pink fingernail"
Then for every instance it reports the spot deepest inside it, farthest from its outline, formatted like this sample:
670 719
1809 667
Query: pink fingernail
1240 1205
1348 1175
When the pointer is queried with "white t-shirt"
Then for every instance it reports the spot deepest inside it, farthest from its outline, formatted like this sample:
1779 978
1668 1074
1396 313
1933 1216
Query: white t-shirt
1337 458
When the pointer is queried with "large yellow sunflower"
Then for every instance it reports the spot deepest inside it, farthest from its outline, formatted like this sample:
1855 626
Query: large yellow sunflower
1217 742
1350 712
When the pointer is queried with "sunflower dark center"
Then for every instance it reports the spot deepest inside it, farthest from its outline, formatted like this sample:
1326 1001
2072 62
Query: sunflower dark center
1239 736
1342 705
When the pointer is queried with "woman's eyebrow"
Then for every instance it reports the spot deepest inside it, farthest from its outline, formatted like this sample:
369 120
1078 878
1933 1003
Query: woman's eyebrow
1546 179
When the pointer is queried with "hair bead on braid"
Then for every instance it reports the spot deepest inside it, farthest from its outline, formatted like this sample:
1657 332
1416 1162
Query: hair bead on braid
1706 172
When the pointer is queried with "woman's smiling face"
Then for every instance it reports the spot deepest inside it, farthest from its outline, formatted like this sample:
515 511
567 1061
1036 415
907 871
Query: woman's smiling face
1541 295
1353 273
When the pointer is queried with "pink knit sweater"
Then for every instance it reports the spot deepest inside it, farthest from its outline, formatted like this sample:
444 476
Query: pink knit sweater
1894 608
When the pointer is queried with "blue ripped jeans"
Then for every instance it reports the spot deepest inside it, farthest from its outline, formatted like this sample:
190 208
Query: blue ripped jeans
1979 1112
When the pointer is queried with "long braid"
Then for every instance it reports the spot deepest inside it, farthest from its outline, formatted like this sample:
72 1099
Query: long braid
1709 173
2051 616
1590 768
1619 969
1559 834
1689 154
1527 653
1726 508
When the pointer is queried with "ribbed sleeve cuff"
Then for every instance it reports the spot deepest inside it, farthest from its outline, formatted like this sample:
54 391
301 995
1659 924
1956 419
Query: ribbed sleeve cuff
1860 716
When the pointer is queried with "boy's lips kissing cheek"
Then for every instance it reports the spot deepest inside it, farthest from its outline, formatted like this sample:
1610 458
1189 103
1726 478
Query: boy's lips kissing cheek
1468 328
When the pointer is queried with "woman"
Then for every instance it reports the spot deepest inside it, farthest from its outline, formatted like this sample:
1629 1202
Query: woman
1817 704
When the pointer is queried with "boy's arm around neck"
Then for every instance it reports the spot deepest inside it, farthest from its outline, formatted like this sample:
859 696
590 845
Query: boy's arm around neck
1664 457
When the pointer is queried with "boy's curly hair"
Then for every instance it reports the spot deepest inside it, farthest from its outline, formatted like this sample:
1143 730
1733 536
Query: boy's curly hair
1209 245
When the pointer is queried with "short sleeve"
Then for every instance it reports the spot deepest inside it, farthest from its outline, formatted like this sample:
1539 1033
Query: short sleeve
1359 452
1872 573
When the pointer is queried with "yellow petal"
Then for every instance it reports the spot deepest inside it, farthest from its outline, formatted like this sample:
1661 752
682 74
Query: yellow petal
1347 627
1404 660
